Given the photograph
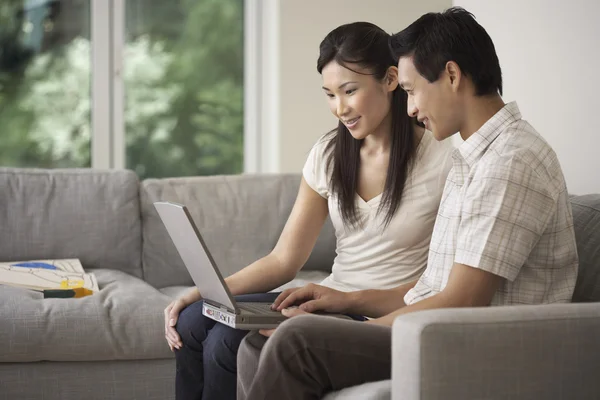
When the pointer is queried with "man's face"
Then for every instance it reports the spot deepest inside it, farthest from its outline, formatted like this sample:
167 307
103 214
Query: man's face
435 104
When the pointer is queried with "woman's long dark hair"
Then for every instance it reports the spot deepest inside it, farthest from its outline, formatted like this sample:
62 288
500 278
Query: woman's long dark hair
366 45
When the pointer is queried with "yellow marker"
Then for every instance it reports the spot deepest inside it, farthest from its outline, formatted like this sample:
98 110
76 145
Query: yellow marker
71 283
82 292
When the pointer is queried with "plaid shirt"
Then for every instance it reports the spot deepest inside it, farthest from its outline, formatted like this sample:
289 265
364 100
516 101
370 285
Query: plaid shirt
505 209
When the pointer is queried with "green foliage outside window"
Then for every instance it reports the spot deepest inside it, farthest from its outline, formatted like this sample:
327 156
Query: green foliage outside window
183 85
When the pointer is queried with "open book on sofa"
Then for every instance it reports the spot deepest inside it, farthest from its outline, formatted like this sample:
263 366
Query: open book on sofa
47 274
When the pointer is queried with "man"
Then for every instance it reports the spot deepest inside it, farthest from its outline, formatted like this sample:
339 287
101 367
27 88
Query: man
503 235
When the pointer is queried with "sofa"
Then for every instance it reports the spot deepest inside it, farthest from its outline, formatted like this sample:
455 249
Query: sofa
111 345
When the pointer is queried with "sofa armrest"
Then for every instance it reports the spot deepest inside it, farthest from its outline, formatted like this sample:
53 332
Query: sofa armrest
516 352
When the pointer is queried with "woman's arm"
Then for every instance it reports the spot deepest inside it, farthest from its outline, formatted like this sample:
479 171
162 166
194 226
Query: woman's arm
292 249
280 266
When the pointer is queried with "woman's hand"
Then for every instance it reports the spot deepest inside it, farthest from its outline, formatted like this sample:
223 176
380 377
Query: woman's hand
172 314
311 298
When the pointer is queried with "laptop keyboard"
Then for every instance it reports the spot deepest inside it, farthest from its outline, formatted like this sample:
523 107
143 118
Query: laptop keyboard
257 308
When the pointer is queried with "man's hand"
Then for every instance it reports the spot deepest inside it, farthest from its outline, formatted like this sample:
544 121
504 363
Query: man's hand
311 298
288 312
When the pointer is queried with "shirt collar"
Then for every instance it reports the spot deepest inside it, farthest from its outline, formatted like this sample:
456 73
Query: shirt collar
477 144
471 150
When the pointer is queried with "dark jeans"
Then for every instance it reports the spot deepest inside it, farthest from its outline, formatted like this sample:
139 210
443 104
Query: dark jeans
206 363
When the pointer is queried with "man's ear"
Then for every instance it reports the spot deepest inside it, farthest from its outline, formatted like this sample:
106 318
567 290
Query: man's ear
454 75
391 79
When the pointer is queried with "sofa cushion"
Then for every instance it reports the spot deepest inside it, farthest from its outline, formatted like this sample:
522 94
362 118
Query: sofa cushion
240 219
124 321
108 380
87 214
586 217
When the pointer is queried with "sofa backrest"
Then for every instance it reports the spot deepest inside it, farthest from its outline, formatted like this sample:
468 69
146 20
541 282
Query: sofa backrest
586 217
240 218
88 214
94 215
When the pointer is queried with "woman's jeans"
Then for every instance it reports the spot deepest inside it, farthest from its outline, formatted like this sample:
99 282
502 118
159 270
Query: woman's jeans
206 363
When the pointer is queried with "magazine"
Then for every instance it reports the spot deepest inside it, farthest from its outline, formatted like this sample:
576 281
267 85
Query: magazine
47 274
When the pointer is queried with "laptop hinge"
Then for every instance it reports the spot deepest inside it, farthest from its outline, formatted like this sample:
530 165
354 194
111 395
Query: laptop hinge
221 306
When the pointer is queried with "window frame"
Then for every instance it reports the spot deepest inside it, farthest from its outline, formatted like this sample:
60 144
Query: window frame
108 144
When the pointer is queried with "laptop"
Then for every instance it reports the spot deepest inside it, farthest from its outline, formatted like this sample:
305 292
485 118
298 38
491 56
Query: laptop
219 304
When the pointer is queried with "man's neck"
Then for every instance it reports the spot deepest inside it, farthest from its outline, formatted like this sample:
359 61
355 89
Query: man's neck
480 110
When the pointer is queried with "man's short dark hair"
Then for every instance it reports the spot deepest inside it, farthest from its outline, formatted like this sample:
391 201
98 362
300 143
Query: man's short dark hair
452 35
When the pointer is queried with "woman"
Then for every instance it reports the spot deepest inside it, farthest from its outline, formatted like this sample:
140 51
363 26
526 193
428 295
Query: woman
379 176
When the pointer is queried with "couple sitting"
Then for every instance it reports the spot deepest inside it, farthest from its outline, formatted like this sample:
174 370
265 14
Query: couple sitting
419 224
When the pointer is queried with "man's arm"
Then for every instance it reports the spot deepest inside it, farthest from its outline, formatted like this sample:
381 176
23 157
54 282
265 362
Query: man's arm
377 303
467 287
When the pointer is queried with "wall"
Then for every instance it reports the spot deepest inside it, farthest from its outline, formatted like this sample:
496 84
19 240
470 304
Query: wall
302 109
549 53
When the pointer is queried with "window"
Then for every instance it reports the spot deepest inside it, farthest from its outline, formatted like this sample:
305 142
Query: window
45 84
163 95
183 77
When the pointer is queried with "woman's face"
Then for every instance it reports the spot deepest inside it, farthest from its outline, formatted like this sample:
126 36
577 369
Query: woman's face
359 100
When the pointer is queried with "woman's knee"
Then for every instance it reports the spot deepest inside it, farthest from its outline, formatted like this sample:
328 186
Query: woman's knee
222 344
192 326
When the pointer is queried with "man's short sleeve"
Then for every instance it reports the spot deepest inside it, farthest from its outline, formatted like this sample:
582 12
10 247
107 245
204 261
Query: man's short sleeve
505 210
315 169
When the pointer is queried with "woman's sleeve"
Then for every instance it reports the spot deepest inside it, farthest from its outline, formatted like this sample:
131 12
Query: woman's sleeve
315 169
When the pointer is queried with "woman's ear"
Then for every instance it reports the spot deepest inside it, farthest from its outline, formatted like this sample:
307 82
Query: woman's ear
391 79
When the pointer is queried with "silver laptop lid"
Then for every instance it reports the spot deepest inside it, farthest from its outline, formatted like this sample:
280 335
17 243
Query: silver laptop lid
194 253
